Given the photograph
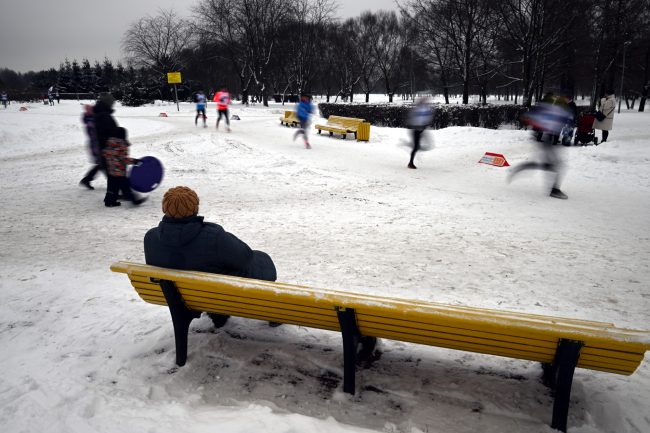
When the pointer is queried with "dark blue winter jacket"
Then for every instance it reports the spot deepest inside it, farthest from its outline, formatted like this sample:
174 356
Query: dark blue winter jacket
304 109
192 244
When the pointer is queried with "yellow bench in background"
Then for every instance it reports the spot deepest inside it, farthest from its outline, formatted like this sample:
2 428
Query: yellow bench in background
342 125
560 344
290 119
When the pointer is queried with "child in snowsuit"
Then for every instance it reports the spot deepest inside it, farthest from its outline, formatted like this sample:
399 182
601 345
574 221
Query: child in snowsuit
117 158
303 111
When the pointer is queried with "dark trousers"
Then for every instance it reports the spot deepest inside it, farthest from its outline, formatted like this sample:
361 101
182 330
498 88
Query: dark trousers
92 173
605 134
417 136
304 125
550 162
200 113
225 114
115 185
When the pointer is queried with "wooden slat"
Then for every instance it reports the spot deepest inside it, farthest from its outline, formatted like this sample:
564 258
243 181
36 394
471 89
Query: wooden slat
193 302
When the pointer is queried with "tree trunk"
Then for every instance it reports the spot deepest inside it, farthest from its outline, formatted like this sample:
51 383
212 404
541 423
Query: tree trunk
367 97
646 81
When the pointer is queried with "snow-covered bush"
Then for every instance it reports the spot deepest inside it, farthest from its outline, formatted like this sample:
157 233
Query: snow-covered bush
133 96
486 116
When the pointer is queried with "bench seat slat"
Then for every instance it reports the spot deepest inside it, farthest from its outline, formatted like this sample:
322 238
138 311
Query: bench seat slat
293 320
212 294
611 353
198 304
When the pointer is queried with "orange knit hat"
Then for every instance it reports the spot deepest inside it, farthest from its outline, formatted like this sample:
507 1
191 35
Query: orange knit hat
180 202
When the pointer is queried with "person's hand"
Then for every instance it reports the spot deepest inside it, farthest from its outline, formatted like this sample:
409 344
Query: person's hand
136 161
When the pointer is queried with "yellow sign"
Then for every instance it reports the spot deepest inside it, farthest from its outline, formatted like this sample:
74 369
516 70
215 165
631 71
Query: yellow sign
174 78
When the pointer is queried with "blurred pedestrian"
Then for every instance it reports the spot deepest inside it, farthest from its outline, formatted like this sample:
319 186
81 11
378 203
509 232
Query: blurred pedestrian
4 98
567 132
200 108
58 96
419 119
605 121
50 95
88 119
303 112
222 98
548 118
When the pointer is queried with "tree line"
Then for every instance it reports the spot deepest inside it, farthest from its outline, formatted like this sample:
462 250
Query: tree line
514 49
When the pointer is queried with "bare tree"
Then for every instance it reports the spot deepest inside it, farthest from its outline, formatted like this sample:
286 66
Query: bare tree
389 41
362 44
157 42
218 23
308 19
431 42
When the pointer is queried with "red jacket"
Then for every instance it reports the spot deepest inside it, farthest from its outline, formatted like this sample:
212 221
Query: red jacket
222 98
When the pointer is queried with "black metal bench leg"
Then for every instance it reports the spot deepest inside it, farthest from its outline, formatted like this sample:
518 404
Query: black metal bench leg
181 318
351 337
559 376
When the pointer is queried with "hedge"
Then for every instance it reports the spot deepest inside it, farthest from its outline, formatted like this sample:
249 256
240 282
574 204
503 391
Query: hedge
394 116
486 116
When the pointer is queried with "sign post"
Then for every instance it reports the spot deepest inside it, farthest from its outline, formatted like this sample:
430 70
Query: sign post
174 78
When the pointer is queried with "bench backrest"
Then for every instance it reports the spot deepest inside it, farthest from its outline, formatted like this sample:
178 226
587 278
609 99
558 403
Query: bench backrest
344 121
510 334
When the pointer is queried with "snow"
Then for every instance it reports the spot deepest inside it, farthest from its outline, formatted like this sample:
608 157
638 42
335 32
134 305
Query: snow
82 353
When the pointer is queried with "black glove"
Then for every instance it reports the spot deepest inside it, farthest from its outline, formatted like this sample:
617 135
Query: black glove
136 161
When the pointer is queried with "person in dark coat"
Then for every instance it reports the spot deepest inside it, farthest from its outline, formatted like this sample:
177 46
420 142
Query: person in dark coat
88 119
104 126
183 240
419 119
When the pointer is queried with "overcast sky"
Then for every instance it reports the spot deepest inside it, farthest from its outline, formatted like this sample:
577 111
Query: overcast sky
40 34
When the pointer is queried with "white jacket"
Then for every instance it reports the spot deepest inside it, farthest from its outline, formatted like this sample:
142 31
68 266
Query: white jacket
607 106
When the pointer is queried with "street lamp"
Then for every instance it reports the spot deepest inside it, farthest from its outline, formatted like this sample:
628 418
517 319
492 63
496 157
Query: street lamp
620 93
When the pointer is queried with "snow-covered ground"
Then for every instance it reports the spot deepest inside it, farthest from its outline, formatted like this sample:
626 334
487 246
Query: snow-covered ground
82 353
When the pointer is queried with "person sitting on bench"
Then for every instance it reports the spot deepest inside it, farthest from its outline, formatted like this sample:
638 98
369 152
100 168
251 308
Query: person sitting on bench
183 240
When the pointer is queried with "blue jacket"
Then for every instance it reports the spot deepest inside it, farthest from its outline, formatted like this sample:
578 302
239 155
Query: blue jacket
192 244
303 110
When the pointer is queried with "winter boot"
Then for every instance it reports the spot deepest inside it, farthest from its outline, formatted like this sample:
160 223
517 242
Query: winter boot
555 192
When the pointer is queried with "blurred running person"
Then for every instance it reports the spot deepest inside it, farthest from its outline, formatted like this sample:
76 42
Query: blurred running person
222 98
547 118
88 119
200 108
4 98
304 108
419 118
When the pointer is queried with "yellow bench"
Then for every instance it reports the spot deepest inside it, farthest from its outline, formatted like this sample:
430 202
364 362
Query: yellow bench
290 119
341 125
560 344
